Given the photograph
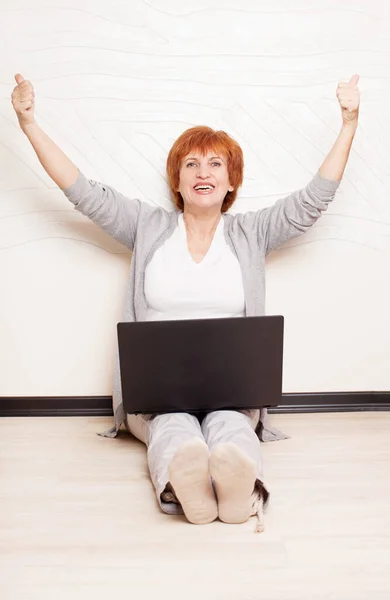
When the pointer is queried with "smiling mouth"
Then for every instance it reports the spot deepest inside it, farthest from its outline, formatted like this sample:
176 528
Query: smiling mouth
203 188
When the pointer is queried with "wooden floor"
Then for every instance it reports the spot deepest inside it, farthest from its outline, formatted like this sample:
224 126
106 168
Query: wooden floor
79 520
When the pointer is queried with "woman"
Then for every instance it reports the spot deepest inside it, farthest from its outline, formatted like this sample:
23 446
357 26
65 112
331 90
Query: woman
197 261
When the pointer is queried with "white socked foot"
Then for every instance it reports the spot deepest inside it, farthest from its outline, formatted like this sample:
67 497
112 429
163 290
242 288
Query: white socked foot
234 475
189 475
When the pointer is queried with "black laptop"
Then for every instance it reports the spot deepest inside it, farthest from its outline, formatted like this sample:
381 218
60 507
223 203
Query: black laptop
201 364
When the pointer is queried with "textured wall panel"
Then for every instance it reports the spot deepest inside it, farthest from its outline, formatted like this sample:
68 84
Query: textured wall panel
115 84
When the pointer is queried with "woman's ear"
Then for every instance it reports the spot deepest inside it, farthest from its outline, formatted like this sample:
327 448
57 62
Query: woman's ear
231 189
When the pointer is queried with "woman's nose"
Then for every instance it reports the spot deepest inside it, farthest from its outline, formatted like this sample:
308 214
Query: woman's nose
203 171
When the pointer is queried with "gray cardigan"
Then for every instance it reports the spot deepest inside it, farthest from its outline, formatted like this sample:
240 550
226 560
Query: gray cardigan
143 228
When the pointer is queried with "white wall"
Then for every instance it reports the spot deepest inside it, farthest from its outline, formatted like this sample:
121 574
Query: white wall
115 84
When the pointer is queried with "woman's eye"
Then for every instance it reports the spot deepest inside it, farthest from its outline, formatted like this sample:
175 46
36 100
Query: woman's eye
194 164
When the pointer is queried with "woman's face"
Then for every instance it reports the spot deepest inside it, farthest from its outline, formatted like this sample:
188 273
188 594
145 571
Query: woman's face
204 180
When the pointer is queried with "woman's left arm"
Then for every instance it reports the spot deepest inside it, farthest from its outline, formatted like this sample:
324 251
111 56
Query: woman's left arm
291 216
349 99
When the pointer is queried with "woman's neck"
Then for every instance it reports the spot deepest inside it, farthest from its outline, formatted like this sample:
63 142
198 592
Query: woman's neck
201 225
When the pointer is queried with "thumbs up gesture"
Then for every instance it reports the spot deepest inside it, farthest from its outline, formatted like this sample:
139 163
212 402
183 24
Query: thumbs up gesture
349 98
23 101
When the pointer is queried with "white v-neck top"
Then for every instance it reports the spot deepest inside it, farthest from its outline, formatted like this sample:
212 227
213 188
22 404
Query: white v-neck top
176 287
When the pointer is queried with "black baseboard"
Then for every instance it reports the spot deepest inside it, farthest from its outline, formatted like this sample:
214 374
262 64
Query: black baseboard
56 406
333 402
100 406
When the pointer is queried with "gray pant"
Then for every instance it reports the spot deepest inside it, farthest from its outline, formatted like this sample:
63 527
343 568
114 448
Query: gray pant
166 433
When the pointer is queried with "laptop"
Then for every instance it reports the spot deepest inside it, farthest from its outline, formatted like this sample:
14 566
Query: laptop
201 364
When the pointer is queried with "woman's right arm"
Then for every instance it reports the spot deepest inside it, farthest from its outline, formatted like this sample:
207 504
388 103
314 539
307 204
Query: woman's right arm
105 206
56 164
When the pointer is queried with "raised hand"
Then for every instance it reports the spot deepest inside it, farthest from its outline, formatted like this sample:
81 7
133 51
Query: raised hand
23 101
349 98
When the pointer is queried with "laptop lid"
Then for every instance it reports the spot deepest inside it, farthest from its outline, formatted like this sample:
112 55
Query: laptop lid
201 364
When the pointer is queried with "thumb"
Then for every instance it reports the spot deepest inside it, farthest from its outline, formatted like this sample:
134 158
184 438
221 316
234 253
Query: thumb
354 80
19 78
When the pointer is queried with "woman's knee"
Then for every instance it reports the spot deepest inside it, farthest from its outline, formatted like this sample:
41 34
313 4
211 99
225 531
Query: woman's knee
169 425
227 419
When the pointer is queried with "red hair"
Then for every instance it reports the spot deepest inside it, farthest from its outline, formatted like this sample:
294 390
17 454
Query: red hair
203 139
